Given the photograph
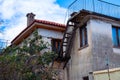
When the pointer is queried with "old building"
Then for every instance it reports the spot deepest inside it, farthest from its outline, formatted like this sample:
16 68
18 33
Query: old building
51 32
90 43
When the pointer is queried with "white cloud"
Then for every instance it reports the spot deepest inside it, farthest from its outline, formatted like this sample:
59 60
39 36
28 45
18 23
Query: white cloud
14 13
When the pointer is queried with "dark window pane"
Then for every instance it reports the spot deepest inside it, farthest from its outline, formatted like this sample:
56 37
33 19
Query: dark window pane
114 37
86 78
85 32
53 45
83 36
59 45
119 36
56 43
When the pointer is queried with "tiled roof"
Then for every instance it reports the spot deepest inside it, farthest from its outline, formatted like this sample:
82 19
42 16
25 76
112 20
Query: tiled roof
50 23
41 22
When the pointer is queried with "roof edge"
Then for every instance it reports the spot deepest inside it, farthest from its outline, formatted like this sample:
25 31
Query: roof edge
42 22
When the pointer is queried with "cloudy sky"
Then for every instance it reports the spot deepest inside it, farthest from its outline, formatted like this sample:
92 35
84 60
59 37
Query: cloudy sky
13 14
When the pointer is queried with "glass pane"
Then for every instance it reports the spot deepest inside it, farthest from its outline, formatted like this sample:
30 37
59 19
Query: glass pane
53 45
114 37
85 31
58 46
83 36
119 36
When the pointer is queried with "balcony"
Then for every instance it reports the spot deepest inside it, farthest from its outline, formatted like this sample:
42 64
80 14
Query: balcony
98 6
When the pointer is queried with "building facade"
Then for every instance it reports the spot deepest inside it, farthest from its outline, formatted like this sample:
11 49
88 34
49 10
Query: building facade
51 32
95 45
90 43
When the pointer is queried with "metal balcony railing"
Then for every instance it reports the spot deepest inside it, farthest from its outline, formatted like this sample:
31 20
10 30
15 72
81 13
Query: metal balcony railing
98 6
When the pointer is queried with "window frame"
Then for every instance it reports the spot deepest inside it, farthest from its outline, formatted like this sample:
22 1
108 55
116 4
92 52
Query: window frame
83 36
55 40
117 36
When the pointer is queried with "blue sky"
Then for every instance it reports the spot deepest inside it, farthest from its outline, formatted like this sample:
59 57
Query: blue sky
64 3
13 14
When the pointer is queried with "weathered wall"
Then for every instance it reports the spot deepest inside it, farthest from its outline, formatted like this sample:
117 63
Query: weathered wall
101 43
49 34
102 48
80 64
94 56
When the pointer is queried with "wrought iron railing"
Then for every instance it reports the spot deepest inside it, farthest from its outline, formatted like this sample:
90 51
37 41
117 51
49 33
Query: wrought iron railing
98 6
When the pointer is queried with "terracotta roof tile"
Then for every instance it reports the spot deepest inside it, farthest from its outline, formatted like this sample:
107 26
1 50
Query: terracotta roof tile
43 22
50 23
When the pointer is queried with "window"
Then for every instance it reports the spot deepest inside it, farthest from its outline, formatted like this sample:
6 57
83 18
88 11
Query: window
86 78
83 36
56 43
116 36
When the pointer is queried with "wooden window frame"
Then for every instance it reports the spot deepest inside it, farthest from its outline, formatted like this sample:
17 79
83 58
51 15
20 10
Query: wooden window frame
56 40
83 36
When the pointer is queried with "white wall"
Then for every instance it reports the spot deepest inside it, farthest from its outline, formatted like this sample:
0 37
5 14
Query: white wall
47 35
50 33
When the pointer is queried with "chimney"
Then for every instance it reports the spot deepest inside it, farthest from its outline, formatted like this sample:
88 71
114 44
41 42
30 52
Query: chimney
30 18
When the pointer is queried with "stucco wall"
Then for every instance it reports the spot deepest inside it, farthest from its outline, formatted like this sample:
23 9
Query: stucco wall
94 56
101 43
80 64
102 47
49 34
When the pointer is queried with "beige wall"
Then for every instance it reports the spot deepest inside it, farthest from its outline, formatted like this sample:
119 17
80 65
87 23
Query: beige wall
103 75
